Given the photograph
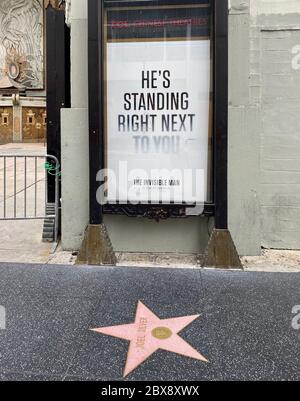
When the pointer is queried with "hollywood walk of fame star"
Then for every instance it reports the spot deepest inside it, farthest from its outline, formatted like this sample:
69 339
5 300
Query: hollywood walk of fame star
149 333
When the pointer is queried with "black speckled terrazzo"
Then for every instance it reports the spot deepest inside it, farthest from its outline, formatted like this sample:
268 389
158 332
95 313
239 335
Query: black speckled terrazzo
244 330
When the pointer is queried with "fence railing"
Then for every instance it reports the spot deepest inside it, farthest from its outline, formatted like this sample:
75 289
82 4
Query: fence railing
24 185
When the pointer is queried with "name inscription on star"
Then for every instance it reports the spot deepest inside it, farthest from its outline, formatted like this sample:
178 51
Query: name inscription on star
142 329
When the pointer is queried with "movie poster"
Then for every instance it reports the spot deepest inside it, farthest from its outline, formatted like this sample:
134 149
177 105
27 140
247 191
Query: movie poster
157 121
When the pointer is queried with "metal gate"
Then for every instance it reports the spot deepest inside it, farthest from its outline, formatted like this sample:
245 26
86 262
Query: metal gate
23 189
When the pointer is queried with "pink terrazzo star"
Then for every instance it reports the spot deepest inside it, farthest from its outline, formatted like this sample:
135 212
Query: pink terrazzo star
149 333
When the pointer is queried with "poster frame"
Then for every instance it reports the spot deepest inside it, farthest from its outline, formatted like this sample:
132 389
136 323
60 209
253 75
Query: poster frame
218 206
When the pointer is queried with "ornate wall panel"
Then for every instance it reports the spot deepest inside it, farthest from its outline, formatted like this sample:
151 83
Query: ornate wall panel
6 125
34 124
22 42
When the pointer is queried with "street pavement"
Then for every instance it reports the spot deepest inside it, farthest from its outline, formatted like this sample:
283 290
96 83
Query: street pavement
244 330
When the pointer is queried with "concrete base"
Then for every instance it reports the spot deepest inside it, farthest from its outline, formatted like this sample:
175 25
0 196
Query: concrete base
173 236
221 251
96 248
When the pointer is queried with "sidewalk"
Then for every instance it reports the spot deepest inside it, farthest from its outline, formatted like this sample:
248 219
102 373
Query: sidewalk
21 241
23 148
246 326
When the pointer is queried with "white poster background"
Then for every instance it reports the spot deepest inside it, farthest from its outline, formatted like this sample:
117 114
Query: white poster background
189 64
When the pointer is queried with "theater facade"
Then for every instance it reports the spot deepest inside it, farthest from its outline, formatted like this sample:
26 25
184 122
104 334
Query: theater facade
23 116
182 133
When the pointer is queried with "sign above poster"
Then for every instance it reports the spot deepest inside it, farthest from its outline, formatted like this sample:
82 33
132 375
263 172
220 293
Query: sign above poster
159 22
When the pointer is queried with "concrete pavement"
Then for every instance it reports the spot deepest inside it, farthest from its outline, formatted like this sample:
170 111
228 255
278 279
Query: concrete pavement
245 328
21 241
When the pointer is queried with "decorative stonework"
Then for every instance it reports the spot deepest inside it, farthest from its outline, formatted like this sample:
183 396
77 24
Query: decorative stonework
57 4
22 43
30 117
5 117
33 127
6 125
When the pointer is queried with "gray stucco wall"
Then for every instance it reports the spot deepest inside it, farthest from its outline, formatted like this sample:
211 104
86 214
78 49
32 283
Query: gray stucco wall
275 86
244 140
75 137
